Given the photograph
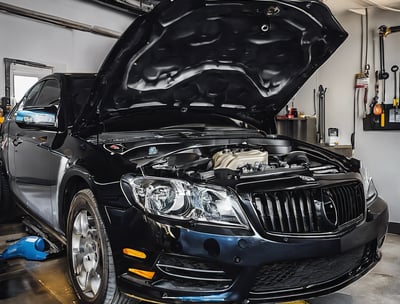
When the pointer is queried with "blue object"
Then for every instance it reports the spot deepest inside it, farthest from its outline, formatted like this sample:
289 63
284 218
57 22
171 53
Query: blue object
29 247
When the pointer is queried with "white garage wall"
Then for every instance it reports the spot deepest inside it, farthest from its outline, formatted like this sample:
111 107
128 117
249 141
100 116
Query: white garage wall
380 151
337 75
67 50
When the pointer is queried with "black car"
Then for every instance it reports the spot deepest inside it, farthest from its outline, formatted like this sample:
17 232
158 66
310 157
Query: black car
162 174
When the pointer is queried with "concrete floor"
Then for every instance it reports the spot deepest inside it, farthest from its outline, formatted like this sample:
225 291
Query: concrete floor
29 282
380 286
26 282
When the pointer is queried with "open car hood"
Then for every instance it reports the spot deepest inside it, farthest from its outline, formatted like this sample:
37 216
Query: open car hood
244 59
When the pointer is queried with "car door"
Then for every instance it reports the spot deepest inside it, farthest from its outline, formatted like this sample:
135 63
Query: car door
35 164
14 130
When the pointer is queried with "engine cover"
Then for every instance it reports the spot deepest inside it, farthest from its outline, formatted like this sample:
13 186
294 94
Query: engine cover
235 160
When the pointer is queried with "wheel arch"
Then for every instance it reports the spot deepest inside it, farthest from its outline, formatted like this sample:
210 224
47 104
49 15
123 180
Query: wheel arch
75 180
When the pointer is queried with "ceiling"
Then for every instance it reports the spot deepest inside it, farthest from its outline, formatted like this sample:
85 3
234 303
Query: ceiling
340 6
337 6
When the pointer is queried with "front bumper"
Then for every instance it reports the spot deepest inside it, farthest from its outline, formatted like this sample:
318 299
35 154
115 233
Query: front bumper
198 267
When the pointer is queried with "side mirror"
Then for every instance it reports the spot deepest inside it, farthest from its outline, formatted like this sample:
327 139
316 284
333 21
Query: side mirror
37 118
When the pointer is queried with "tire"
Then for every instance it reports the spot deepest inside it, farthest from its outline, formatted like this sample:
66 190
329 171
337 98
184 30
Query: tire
7 204
89 255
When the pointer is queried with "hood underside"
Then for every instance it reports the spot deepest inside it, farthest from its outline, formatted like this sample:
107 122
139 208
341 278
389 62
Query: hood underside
237 58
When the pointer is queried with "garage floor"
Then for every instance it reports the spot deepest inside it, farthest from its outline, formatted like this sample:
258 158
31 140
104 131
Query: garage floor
26 282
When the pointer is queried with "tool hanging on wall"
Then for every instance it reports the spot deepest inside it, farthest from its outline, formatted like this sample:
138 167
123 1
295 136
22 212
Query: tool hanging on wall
383 75
315 102
362 80
393 112
396 116
398 101
321 114
394 69
383 104
384 116
376 107
365 102
362 84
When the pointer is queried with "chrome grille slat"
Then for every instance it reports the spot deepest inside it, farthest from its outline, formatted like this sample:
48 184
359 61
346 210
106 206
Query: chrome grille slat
296 218
287 213
280 215
310 212
354 207
336 197
348 206
295 211
341 198
303 215
271 212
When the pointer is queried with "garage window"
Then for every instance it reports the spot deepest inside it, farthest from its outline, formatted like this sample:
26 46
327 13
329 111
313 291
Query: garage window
20 75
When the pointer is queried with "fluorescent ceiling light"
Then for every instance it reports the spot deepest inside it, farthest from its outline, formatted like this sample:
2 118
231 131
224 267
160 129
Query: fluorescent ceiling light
378 3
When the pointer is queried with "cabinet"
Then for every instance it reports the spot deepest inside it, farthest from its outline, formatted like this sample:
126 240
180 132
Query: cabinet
305 129
300 128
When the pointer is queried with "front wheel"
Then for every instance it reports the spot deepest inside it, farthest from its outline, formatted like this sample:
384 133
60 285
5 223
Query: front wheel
90 261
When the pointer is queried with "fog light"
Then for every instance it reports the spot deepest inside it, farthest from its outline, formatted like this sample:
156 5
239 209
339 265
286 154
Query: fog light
143 273
134 253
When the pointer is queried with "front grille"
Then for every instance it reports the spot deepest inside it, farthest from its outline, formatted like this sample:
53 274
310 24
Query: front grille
186 274
310 210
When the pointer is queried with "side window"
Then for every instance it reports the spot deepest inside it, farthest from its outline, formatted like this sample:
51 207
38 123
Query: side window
49 95
30 98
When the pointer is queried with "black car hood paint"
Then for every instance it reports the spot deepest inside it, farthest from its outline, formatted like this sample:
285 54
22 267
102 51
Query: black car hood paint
243 59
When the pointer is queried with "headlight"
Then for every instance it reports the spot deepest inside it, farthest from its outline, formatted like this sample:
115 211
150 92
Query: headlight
370 191
182 200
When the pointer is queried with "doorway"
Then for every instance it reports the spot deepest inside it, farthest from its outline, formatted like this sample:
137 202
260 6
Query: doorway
22 75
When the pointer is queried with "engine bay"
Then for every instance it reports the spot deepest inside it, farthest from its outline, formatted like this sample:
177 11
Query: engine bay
235 163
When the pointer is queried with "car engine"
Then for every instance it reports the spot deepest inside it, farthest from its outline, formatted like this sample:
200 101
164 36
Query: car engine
227 163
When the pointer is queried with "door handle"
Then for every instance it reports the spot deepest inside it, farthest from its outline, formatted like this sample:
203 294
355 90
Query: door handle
17 141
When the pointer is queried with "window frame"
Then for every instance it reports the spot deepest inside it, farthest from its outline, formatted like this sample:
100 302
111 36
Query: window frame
25 68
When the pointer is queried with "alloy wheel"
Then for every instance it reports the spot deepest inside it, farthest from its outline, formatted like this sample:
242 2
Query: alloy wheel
86 253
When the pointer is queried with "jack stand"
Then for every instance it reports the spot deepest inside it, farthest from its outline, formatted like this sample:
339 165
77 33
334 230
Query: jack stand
55 246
